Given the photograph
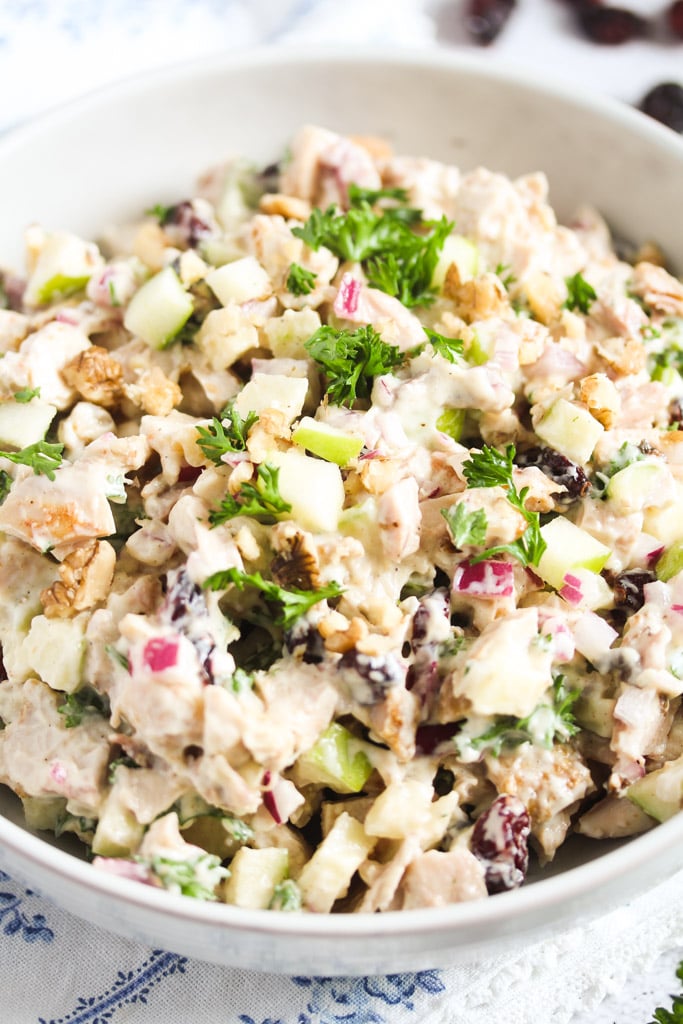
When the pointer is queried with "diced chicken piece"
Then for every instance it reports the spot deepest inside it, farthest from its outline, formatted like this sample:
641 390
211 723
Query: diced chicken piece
324 164
40 360
84 424
13 328
436 879
658 289
431 186
614 818
40 756
360 304
642 719
548 782
398 516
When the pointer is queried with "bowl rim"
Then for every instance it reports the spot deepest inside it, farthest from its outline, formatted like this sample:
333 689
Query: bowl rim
546 893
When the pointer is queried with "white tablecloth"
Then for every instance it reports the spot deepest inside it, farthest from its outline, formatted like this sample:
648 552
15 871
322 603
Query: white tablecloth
53 968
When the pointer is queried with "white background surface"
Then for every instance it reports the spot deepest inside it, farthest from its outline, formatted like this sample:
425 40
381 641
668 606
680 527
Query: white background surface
51 50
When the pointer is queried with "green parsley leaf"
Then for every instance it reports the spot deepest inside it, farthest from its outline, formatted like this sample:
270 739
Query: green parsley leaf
299 280
159 211
241 681
547 723
675 1014
490 468
42 457
5 484
399 248
76 706
286 896
580 294
465 527
289 605
223 437
263 500
351 360
449 348
371 196
236 828
504 272
119 762
24 395
197 878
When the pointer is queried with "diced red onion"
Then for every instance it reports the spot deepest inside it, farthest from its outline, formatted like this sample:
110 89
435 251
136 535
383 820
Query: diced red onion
677 608
593 636
487 579
126 869
160 653
346 300
572 595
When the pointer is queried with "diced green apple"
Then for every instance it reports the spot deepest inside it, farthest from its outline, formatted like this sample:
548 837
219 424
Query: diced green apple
451 422
287 334
327 442
273 391
24 423
313 488
666 524
240 281
254 875
337 760
639 486
660 793
568 548
118 832
595 712
55 650
65 265
327 875
459 250
159 309
571 430
671 562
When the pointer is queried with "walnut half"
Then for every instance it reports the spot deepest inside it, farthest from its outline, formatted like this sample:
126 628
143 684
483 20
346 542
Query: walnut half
85 579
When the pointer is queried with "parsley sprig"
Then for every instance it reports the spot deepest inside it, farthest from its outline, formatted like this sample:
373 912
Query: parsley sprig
675 1014
546 723
465 527
580 294
399 249
449 348
227 433
261 500
491 468
351 360
287 605
197 878
5 484
24 395
286 896
299 280
42 457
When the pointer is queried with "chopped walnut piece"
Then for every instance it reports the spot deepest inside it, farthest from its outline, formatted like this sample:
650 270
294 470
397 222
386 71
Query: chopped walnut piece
154 392
296 563
477 299
339 634
544 295
96 375
623 355
601 397
85 579
286 206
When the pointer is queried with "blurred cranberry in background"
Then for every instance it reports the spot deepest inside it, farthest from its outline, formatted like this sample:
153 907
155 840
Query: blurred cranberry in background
610 26
675 18
665 104
485 19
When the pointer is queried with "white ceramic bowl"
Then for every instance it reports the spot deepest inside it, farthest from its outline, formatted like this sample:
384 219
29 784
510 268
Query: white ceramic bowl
121 150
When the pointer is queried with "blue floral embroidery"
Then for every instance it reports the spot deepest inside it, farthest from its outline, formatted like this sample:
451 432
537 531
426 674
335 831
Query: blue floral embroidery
350 1000
13 920
250 1020
129 987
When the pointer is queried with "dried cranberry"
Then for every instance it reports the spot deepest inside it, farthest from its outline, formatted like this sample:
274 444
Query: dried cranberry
369 677
485 19
185 608
432 607
429 737
187 227
610 26
443 781
499 841
628 588
674 17
559 468
665 103
675 413
304 641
